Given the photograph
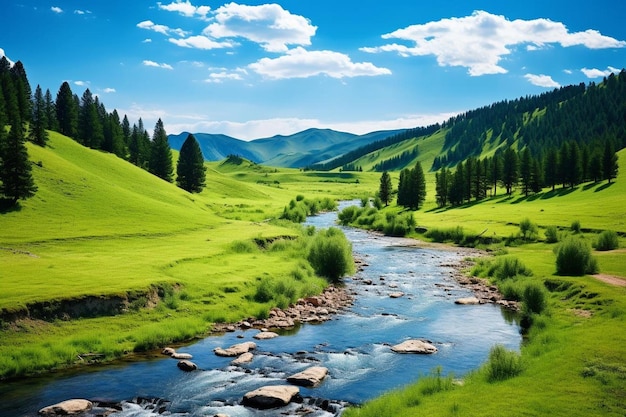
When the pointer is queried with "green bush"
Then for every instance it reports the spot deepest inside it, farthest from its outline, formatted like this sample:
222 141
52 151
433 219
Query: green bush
573 257
501 268
528 229
452 234
503 364
552 234
576 228
534 298
607 240
330 254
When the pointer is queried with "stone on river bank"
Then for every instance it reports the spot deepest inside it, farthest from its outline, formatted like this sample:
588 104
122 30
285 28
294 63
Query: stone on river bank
187 366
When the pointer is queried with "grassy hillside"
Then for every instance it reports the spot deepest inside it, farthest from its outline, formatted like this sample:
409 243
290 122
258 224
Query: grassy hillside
101 227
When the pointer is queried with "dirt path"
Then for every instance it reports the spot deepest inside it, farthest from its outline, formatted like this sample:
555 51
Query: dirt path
611 279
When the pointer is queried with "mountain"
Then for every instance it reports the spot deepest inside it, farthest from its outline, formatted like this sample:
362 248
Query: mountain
293 151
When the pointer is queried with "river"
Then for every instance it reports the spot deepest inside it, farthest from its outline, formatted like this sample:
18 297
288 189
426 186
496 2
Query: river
354 346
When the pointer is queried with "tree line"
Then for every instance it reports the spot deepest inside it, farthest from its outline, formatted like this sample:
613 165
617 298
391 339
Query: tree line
86 120
567 166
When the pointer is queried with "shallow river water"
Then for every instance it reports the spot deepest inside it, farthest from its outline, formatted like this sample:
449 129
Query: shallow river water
354 346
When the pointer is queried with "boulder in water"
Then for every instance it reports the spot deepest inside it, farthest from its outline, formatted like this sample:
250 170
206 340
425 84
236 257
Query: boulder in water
235 350
187 366
67 408
414 346
270 396
310 377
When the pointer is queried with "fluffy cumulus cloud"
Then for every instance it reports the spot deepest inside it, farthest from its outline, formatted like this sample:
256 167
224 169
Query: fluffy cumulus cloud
162 29
149 63
56 9
480 41
222 75
201 42
185 8
597 73
542 80
269 25
300 63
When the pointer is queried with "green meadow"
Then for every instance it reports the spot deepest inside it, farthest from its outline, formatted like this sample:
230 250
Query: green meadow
98 226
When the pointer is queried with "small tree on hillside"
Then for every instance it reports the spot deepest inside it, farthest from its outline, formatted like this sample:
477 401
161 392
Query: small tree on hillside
190 170
38 134
609 162
384 192
161 154
16 170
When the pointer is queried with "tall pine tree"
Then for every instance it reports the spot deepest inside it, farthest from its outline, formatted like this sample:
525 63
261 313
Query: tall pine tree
161 154
190 169
16 170
67 111
609 162
38 134
385 188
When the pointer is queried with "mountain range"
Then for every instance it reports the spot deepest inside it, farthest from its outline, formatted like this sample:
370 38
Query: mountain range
299 150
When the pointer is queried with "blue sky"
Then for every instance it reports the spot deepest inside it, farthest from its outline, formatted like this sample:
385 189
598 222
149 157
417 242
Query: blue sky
252 69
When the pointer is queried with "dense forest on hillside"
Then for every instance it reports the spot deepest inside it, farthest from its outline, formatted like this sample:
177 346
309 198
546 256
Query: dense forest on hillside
83 119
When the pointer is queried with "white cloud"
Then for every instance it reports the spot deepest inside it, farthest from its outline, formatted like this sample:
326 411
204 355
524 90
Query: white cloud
56 9
568 71
269 25
147 40
300 63
162 29
596 73
200 42
81 83
480 41
220 77
109 90
149 63
542 80
81 12
186 8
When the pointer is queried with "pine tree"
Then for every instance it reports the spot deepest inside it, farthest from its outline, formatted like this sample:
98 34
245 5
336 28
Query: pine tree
551 167
495 172
510 170
90 131
67 111
23 91
403 188
51 115
38 134
190 169
442 186
384 191
16 170
609 162
526 171
161 154
418 187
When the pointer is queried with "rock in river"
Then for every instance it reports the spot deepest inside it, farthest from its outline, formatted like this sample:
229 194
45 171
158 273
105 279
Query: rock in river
235 350
187 366
467 301
243 358
67 408
265 335
310 377
270 396
414 346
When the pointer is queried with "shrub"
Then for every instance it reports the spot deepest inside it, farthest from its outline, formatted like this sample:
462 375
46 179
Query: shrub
534 298
528 229
576 228
365 201
552 234
348 215
505 267
378 203
454 234
243 246
607 240
503 364
330 254
573 257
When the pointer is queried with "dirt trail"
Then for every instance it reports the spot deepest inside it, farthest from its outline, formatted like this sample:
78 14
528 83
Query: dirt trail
611 279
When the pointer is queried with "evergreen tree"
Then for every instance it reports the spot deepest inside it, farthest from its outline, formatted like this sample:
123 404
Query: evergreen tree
574 172
161 154
550 168
609 162
442 186
418 187
16 170
536 176
510 170
595 167
403 187
126 132
190 169
564 158
495 172
526 171
67 111
90 131
385 188
50 110
456 190
38 134
23 91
